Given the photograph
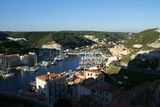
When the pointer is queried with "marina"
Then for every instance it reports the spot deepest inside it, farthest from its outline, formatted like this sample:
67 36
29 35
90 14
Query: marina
21 80
91 59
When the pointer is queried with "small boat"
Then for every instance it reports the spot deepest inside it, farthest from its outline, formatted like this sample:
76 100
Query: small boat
66 56
33 83
6 75
58 58
18 68
33 69
30 69
25 68
53 62
45 63
32 87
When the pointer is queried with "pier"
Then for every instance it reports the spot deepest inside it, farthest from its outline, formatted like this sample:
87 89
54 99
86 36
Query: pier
91 59
72 53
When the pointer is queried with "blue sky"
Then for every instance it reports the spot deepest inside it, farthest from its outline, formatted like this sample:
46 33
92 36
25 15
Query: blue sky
100 15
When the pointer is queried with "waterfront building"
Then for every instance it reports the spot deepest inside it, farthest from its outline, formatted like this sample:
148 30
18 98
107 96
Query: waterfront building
119 50
28 59
80 76
13 59
52 86
17 59
96 74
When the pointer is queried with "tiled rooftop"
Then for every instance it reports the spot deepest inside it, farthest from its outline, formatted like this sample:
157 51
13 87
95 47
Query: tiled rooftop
94 71
48 77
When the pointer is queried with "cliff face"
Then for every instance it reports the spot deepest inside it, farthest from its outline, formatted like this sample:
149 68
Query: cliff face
148 38
52 45
142 42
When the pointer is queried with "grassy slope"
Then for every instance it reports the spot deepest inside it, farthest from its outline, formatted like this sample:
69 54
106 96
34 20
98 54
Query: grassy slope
65 38
37 39
109 36
112 69
144 38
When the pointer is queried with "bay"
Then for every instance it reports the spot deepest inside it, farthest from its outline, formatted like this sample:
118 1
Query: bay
22 79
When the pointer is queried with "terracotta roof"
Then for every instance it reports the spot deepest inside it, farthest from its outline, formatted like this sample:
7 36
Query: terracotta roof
77 81
79 75
94 71
48 77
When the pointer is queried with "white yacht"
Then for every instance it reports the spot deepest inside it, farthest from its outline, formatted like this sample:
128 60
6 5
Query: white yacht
6 75
45 63
33 69
29 69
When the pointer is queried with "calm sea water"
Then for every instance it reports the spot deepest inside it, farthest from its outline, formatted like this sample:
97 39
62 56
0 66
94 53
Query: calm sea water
21 80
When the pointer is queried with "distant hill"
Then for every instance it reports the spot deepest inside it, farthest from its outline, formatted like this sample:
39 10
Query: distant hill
37 39
68 39
145 41
144 38
109 36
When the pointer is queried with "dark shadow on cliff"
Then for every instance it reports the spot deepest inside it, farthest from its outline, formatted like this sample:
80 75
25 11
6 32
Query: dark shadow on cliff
143 68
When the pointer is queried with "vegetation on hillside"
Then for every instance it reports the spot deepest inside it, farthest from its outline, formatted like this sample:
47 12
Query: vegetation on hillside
109 36
68 39
112 69
143 38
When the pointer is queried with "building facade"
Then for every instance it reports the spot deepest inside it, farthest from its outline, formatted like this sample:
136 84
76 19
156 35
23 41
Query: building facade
52 86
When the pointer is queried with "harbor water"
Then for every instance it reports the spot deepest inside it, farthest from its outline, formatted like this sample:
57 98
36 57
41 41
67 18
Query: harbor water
21 80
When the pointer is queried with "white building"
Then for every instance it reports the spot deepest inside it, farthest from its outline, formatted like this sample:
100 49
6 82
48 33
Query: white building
28 59
52 86
119 50
94 74
111 59
9 60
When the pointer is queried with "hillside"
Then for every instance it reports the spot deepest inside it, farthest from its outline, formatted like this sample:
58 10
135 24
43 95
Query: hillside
145 41
109 36
37 39
143 38
67 39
